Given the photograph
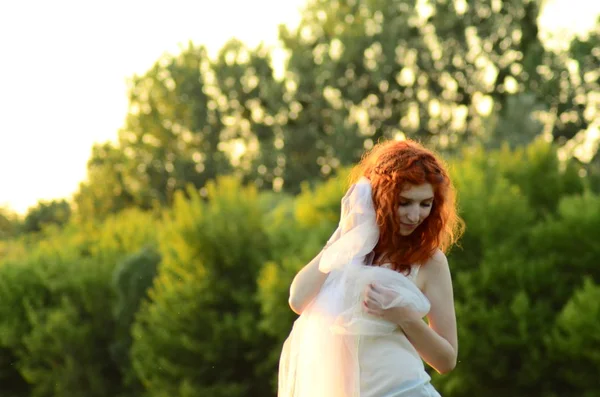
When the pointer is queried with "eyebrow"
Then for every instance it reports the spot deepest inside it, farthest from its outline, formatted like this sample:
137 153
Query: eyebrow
409 199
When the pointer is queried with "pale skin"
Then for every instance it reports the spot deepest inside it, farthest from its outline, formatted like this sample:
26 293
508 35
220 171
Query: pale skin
437 343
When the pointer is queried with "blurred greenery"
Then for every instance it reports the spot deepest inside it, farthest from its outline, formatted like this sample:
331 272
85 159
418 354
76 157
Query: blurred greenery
168 273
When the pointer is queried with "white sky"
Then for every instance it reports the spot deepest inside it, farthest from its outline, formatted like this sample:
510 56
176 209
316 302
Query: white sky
64 65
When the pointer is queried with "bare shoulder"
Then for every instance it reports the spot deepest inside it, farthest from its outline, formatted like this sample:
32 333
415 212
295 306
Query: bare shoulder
437 262
438 259
435 268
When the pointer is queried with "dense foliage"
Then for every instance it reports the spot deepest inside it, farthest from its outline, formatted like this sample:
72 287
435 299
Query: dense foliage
168 273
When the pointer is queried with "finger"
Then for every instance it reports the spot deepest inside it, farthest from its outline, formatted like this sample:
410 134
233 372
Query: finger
366 307
374 300
371 293
371 305
372 312
371 289
370 301
379 289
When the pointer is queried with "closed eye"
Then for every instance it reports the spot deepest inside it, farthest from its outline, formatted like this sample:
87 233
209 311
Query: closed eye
425 205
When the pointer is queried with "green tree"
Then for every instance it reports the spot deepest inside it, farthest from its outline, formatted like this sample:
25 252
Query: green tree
55 212
575 105
132 278
431 71
530 242
254 115
57 325
197 335
106 190
574 343
449 73
582 115
172 133
9 223
56 308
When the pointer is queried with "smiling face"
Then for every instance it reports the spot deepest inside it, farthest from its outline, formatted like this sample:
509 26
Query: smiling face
415 206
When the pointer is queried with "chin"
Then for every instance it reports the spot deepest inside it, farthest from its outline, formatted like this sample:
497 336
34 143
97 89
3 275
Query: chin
406 232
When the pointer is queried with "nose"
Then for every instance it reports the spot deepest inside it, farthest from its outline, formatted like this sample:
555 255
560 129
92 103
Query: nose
412 215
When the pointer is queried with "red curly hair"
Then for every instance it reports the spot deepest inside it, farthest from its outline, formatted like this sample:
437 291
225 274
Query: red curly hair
392 167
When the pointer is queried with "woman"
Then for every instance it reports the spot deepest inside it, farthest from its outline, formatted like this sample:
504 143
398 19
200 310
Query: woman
362 300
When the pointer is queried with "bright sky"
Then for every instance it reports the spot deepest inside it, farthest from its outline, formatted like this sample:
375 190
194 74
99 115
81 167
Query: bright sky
64 65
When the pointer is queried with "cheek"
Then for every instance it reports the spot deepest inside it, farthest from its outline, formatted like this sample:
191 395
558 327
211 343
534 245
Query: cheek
425 213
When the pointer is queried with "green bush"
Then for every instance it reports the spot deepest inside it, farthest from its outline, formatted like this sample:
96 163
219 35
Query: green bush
196 303
57 322
574 343
56 308
132 279
530 241
198 335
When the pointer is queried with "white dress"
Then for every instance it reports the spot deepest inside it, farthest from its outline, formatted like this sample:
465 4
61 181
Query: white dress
337 350
390 366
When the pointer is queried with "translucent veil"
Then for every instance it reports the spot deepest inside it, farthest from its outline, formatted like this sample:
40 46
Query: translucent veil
320 356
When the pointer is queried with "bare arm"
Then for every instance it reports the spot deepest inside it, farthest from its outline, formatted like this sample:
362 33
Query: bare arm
309 280
437 343
306 285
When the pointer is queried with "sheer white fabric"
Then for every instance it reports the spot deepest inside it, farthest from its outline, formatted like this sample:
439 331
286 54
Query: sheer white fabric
335 349
357 233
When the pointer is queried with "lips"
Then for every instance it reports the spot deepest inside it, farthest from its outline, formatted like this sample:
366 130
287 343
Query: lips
410 225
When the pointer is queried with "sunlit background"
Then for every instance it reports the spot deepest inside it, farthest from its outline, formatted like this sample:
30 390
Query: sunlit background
164 177
64 67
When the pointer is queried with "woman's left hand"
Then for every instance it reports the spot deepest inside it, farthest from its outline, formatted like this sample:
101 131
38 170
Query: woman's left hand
373 305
